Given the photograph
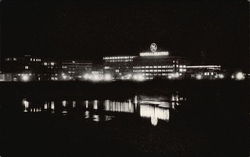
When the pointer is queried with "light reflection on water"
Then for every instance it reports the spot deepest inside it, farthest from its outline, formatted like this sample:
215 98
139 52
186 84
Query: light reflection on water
153 108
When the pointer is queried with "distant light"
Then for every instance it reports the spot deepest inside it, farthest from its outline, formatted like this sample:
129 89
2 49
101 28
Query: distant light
52 105
86 76
64 77
138 77
45 106
221 76
25 103
25 77
240 76
107 77
96 118
64 103
96 77
198 77
154 120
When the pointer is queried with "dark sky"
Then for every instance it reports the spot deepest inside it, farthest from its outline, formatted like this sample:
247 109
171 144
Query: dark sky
74 29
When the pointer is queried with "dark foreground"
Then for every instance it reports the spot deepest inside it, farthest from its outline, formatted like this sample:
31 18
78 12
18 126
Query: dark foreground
212 120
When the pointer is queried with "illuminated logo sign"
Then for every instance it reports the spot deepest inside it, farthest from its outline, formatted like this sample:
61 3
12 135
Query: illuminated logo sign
153 48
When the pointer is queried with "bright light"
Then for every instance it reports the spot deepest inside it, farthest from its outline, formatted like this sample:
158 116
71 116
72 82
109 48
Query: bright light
96 77
138 77
221 76
25 103
240 76
86 76
174 75
64 77
107 77
198 77
25 77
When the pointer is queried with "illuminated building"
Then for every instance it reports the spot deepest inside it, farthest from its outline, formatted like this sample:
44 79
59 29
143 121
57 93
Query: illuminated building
148 65
26 63
51 70
205 72
159 64
155 64
76 68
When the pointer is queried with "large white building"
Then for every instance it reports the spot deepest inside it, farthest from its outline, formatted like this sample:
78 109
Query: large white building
148 65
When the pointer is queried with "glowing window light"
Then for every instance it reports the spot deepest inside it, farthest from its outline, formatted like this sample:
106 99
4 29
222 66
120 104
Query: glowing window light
96 118
74 104
46 106
239 76
86 103
95 106
64 103
86 114
26 103
52 105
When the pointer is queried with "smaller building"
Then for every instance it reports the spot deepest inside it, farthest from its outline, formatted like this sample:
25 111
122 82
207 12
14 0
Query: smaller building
205 72
76 68
26 63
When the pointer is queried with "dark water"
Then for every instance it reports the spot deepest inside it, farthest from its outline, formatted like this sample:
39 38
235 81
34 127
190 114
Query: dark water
207 120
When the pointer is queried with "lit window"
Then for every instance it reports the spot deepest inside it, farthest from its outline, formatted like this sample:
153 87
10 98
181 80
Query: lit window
26 67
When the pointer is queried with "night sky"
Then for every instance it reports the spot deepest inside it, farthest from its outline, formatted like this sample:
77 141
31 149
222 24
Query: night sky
216 32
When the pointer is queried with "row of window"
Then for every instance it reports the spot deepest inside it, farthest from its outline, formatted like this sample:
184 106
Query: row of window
155 74
35 59
183 70
126 60
164 66
164 70
119 57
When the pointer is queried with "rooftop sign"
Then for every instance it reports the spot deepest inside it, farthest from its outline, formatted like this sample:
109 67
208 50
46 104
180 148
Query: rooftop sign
153 48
